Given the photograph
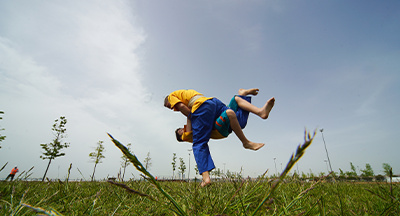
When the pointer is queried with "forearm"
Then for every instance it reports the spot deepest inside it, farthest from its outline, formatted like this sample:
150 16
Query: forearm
188 125
183 109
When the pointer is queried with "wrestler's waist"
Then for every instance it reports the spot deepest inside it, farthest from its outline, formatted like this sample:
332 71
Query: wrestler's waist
194 99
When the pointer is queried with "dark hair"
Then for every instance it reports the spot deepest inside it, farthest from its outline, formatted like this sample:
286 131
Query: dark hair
178 137
166 99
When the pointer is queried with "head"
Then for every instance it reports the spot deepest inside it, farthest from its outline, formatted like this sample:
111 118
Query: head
167 103
179 133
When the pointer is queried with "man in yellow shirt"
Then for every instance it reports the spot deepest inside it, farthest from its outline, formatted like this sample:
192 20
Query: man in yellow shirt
202 111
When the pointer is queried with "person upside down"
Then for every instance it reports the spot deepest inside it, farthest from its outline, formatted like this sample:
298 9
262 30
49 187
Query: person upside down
208 117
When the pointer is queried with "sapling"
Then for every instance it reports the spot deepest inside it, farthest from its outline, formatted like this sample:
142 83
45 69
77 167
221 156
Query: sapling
97 156
52 150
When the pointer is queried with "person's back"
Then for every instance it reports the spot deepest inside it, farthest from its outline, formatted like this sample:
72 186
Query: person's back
190 98
14 171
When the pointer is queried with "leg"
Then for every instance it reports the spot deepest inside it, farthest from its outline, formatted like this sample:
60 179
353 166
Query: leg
239 132
206 179
263 112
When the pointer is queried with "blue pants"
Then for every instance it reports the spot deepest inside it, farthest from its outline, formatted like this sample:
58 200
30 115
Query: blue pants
202 123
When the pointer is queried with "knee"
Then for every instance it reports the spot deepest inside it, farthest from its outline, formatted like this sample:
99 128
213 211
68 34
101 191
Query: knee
230 113
237 98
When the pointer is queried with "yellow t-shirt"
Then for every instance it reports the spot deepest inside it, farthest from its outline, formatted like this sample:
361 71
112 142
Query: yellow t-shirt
184 97
188 136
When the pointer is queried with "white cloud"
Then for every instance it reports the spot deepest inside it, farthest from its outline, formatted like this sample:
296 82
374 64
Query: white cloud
88 71
22 74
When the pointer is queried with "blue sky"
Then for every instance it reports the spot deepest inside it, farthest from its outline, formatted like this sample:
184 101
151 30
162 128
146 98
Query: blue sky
107 67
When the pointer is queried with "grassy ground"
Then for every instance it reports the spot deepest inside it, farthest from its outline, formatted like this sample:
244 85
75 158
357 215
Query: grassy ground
239 197
280 196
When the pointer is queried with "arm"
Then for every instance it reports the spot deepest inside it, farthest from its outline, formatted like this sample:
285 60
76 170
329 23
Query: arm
188 125
187 134
182 108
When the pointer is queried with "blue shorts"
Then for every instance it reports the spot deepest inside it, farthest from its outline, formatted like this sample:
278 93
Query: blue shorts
222 123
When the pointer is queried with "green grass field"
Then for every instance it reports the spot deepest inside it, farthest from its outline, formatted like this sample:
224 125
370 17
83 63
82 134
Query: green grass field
234 197
283 195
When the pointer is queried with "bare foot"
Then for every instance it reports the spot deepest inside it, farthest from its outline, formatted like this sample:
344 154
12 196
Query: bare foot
205 184
253 146
264 113
206 179
245 92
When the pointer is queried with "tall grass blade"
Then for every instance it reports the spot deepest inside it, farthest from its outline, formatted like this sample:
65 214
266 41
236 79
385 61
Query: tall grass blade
391 183
81 174
302 194
69 172
130 190
292 161
25 175
3 166
18 208
138 165
66 180
17 178
230 200
45 199
51 212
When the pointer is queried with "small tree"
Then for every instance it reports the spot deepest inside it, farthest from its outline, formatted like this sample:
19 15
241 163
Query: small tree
311 175
367 172
218 172
125 160
52 150
2 137
147 161
97 156
173 164
211 172
341 173
386 169
182 167
353 168
353 172
228 174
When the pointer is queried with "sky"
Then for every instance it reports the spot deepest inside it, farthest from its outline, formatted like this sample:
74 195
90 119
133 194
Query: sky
108 65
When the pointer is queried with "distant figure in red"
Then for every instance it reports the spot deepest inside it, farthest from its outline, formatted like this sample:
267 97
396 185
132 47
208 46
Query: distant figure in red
12 173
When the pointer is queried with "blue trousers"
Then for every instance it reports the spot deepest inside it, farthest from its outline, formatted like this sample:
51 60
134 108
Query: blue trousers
202 123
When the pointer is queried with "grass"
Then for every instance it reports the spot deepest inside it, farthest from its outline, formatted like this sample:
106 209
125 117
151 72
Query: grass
284 195
239 197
